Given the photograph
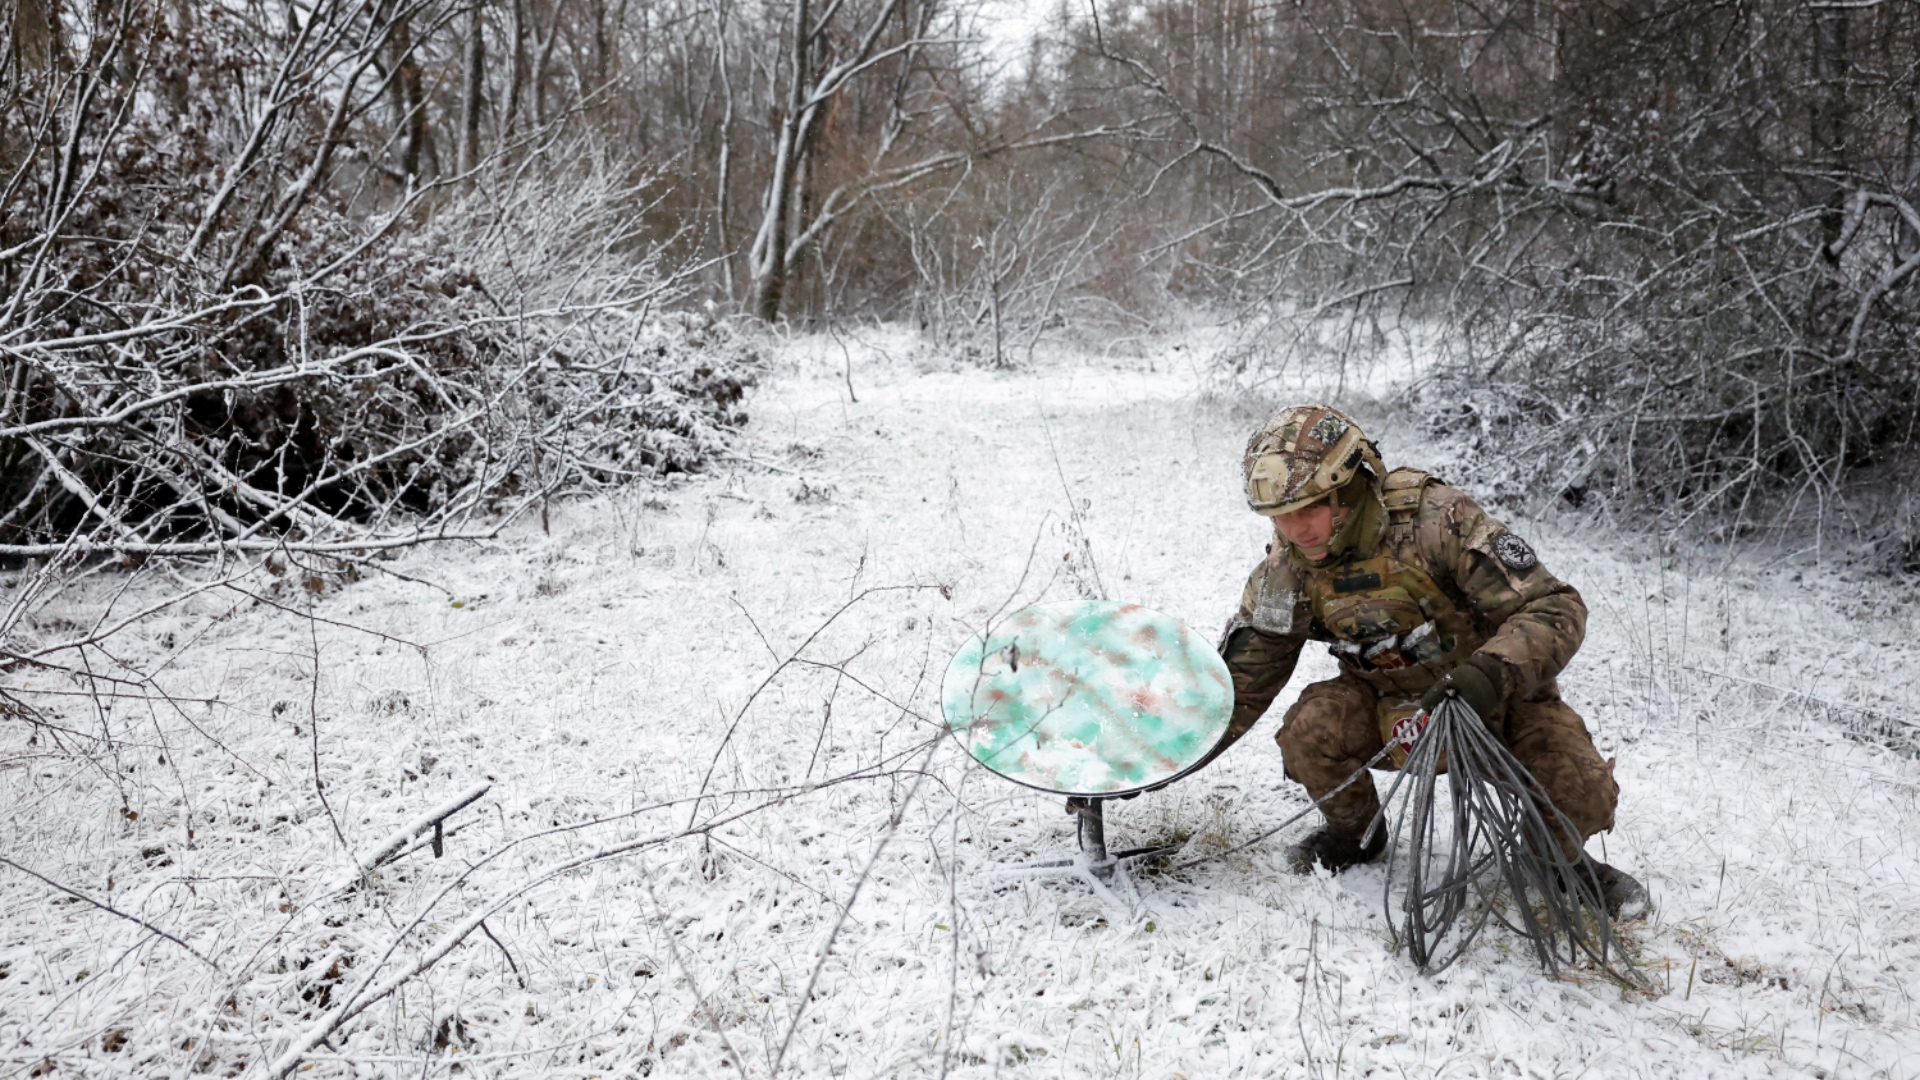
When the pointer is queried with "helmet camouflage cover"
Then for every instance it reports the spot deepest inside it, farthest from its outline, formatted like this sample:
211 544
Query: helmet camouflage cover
1302 455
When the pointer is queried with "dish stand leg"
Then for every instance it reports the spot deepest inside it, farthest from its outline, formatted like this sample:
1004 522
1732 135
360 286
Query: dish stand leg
1091 815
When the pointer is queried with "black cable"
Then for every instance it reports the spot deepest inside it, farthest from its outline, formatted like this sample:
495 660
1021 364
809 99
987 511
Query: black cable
1495 818
1311 807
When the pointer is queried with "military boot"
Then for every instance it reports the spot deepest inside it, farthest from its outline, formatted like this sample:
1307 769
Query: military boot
1336 853
1620 891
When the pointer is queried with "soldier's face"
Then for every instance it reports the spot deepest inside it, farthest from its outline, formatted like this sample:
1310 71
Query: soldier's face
1309 528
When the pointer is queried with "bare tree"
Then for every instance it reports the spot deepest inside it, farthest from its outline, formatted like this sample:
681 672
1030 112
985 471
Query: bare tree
827 50
1670 245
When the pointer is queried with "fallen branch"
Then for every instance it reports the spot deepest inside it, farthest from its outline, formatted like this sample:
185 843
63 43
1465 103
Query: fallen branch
432 819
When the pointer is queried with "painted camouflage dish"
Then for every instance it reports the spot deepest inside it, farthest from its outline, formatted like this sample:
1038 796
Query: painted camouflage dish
1088 697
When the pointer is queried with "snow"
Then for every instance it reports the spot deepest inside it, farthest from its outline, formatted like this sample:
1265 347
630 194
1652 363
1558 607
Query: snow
844 909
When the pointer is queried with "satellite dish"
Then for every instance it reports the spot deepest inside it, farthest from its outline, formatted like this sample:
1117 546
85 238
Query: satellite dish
1088 698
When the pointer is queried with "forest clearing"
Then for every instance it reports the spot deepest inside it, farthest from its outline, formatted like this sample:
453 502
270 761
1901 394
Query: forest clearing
604 673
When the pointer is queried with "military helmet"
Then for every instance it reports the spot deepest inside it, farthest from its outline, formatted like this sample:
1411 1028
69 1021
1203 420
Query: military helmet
1302 455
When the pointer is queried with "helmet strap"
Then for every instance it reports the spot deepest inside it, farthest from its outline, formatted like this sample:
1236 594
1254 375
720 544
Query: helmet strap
1359 516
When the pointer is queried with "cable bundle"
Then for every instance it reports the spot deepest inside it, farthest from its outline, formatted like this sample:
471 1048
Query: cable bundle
1496 819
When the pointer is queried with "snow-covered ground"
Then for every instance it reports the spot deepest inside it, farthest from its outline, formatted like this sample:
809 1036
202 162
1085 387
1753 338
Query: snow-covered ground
771 637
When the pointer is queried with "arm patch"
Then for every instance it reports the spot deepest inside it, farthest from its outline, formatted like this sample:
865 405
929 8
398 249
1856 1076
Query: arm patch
1273 604
1514 552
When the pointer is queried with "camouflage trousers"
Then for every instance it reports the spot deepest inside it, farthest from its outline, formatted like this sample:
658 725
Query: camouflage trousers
1332 731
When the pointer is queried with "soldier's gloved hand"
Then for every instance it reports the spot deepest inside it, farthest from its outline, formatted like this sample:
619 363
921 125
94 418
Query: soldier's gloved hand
1483 682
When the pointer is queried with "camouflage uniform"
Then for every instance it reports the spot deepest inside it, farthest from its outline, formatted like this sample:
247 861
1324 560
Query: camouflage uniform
1425 580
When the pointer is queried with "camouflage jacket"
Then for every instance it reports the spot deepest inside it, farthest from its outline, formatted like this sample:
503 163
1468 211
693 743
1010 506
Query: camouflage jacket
1430 555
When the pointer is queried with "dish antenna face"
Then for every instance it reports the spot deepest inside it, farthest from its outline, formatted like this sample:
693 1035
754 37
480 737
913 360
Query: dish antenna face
1088 698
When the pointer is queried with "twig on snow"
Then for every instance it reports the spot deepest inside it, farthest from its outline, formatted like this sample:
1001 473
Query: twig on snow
114 911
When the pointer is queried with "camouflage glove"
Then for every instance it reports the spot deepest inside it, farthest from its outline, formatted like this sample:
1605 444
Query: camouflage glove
1483 682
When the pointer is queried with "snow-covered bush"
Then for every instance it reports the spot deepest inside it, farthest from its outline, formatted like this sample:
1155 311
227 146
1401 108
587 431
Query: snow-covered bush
229 324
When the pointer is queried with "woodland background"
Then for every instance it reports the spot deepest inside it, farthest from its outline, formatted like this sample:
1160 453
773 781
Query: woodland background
339 272
288 289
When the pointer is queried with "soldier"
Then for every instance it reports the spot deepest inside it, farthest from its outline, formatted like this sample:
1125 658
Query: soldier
1420 594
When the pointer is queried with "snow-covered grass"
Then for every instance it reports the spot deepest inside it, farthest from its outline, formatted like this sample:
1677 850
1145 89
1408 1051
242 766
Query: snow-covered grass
835 905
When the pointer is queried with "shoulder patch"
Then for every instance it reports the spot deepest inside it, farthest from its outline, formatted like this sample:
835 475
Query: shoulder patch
1274 602
1516 553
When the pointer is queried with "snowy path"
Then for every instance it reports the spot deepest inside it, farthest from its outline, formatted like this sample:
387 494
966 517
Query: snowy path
591 672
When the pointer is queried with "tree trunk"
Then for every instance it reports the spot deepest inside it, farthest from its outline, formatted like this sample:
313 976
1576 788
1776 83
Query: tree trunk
1910 183
33 36
725 165
476 81
542 56
1829 120
413 109
517 73
770 264
602 59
